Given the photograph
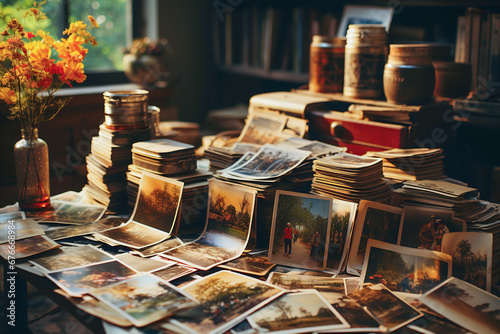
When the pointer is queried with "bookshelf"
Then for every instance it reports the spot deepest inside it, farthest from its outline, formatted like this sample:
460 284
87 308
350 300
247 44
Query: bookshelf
263 45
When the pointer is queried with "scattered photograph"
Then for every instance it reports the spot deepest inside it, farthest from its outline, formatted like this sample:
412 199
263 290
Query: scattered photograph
67 257
298 271
355 315
97 308
319 148
297 312
173 272
404 269
68 196
135 235
472 254
74 213
19 229
348 160
330 288
262 129
77 230
81 280
270 161
158 202
466 305
142 264
15 215
161 247
343 215
300 230
250 264
226 234
225 298
144 299
391 312
27 247
374 221
424 228
432 322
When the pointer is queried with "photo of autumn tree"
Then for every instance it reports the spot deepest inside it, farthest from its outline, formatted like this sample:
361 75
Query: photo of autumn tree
158 202
224 297
403 272
297 313
470 252
227 230
343 213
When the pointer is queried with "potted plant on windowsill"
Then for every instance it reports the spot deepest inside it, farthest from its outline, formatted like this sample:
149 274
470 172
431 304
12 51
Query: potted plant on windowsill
144 62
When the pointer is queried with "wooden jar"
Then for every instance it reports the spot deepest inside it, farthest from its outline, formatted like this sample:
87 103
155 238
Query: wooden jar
365 57
452 79
326 67
409 74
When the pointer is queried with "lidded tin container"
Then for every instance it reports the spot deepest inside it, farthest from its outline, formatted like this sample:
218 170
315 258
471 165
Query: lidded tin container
409 76
326 67
365 58
126 109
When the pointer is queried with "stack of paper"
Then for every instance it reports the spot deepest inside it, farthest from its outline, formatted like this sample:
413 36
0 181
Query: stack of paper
411 164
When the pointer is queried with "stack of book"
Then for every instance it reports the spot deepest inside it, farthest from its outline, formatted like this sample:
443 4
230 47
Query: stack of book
177 161
107 166
350 177
411 164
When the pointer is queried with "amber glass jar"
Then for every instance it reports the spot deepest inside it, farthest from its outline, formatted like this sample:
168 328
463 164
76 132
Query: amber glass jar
326 69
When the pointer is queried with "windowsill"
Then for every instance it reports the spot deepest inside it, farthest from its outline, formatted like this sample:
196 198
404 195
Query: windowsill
96 89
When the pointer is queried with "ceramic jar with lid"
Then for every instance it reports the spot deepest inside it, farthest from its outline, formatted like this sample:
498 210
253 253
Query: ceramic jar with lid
409 76
365 57
326 70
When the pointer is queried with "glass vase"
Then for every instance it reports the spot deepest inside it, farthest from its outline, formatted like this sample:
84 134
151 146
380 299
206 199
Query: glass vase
31 155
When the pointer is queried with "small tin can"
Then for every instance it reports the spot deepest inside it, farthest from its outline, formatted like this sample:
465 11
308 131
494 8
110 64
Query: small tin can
326 67
126 109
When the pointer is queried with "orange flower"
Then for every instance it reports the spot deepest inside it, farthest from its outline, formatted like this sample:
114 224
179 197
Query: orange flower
7 95
93 22
31 64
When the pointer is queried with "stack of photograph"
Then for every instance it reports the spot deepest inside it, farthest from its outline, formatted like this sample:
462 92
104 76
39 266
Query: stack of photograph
463 200
176 161
107 166
223 157
411 164
350 177
270 169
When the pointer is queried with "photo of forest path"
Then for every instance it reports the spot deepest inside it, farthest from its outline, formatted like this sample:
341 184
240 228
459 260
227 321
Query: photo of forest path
301 230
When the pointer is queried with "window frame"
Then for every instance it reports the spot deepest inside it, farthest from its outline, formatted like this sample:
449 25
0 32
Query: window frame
136 10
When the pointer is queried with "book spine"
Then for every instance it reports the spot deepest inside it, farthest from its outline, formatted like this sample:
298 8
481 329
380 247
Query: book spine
460 41
484 51
494 58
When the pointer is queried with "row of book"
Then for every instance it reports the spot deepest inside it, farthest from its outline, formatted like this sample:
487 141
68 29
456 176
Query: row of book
270 38
478 43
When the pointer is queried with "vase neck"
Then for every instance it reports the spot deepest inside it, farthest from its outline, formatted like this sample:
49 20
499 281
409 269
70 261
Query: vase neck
29 133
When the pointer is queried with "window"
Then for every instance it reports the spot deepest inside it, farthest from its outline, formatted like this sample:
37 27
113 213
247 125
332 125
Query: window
119 22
